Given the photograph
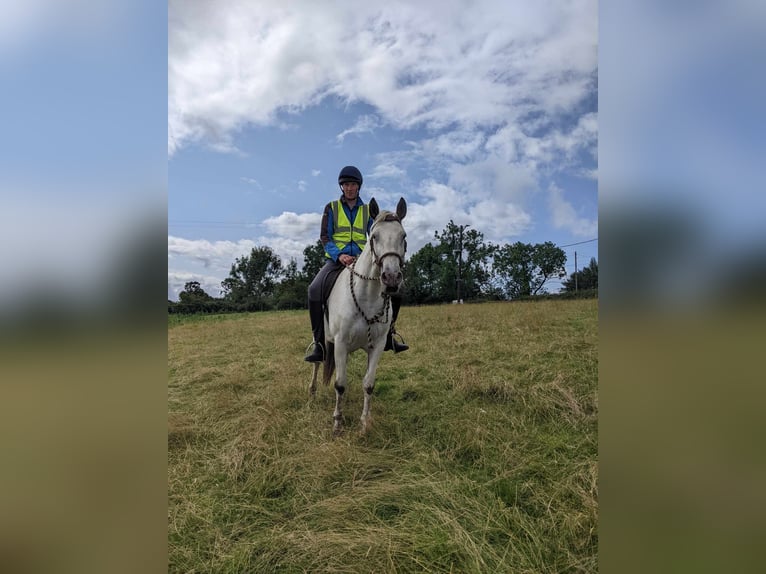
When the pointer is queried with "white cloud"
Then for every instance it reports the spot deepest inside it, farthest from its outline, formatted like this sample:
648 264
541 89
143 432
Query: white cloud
364 124
315 172
213 254
457 145
388 170
493 178
564 215
438 205
499 221
291 224
555 150
233 63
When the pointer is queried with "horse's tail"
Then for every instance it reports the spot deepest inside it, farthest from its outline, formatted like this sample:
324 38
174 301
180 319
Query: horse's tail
329 363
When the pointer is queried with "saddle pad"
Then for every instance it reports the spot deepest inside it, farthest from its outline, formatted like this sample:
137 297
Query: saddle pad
329 283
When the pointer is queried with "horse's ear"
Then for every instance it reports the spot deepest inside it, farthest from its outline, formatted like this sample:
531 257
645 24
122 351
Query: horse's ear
374 209
401 208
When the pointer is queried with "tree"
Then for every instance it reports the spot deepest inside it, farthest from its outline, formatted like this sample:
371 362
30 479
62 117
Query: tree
432 274
313 259
586 278
193 293
523 269
253 278
426 278
291 292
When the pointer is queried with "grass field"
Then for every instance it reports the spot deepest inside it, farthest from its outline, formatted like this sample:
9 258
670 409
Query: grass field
482 455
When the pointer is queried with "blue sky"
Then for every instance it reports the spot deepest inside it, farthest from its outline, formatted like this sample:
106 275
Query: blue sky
485 115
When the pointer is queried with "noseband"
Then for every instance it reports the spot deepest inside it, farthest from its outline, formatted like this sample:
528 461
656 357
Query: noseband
379 259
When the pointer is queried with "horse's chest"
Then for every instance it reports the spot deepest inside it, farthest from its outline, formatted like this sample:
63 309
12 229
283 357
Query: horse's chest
356 333
360 331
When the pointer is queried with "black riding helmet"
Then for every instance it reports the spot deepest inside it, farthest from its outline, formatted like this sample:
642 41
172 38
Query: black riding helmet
350 173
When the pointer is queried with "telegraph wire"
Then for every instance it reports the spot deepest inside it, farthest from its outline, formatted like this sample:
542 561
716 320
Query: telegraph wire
579 242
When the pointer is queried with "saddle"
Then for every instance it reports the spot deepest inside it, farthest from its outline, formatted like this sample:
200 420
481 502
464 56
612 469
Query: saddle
328 284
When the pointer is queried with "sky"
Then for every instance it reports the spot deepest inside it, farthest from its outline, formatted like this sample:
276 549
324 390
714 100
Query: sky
484 113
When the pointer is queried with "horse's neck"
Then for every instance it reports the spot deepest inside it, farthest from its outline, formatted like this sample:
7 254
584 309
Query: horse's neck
365 265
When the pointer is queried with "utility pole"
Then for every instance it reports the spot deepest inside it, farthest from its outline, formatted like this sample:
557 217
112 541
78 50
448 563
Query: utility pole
460 261
575 271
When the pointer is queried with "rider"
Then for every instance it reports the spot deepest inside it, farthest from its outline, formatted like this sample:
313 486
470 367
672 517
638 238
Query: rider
345 224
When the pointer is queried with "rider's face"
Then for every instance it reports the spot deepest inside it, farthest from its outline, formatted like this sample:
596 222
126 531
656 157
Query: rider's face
350 189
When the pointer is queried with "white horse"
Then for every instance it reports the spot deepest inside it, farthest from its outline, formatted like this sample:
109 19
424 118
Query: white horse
359 307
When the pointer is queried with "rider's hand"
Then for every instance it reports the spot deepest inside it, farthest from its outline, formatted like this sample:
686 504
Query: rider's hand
347 259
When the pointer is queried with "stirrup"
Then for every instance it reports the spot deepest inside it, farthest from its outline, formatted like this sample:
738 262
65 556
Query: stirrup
395 346
398 348
311 358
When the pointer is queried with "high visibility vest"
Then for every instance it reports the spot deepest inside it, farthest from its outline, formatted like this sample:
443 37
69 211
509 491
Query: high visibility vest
343 231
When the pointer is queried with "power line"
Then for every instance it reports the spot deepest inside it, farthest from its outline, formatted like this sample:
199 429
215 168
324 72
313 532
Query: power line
580 242
211 224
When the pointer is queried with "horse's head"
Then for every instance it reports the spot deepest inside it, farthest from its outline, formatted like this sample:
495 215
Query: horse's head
389 244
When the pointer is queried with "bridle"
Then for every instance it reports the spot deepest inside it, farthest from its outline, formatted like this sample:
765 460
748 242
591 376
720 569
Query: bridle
386 297
378 260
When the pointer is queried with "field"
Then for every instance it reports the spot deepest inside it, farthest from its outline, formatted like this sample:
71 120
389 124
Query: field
482 455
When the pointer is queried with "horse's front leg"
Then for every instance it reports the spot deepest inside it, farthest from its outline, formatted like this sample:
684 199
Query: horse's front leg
368 383
341 357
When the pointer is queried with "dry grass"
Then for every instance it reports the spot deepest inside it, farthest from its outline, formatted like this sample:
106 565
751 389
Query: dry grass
481 458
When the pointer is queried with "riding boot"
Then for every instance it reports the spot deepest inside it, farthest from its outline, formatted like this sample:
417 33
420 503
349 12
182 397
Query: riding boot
316 314
392 343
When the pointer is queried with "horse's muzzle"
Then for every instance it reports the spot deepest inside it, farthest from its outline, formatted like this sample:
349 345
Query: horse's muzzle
391 280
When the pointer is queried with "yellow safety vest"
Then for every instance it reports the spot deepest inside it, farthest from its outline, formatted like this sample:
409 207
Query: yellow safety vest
343 231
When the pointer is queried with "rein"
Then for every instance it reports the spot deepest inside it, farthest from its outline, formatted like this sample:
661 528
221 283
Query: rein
375 318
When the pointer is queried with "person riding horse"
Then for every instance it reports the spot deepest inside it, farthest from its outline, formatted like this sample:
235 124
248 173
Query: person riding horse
343 232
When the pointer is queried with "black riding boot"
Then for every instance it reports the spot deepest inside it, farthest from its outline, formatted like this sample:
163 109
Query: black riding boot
316 314
392 343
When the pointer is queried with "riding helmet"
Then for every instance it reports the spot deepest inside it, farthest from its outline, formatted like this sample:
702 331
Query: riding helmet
350 173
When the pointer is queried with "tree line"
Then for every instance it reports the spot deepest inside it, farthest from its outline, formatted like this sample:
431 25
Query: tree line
458 264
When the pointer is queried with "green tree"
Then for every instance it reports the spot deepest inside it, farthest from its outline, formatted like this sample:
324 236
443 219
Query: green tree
467 261
313 259
252 279
291 292
522 269
194 299
193 293
432 274
426 277
584 279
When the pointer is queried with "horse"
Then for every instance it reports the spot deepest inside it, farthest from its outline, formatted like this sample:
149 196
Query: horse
358 310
